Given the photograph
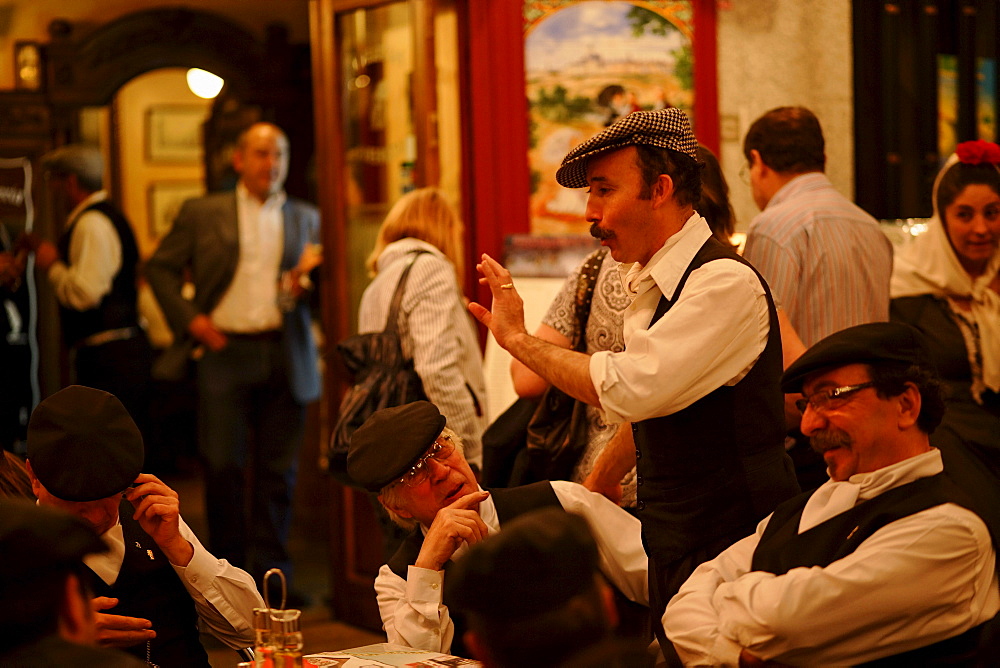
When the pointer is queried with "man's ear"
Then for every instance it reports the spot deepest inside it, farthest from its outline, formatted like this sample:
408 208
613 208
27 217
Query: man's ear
909 406
608 602
392 507
76 618
36 484
662 190
477 648
755 159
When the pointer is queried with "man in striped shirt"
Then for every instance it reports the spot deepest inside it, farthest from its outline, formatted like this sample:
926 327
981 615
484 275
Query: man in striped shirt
825 259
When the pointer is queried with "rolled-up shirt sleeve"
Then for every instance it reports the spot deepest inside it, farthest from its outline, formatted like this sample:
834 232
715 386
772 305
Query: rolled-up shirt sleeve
711 337
412 611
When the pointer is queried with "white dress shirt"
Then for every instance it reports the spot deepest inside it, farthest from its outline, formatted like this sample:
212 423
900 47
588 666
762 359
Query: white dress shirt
916 581
413 614
224 596
711 337
95 257
250 304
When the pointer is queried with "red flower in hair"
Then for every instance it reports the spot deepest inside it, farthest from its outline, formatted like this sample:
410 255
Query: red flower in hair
977 152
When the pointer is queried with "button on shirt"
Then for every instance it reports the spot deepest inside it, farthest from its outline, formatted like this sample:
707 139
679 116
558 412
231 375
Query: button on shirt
251 302
711 337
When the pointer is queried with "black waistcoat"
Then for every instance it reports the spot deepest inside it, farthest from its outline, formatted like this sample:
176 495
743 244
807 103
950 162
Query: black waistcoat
509 504
148 587
783 548
118 307
716 468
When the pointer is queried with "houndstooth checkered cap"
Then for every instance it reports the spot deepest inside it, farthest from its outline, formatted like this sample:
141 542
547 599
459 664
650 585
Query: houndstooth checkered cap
665 128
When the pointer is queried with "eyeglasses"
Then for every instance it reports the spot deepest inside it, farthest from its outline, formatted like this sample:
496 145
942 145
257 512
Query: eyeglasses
745 173
822 399
441 449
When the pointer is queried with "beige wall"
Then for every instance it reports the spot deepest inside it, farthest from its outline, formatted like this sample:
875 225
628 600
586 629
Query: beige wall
785 52
29 19
162 89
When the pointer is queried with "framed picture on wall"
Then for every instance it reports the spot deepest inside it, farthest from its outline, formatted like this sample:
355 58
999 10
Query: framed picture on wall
174 133
588 64
165 200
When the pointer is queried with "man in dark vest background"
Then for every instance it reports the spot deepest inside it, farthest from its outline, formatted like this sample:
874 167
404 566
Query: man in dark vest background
889 558
92 271
698 378
417 467
156 584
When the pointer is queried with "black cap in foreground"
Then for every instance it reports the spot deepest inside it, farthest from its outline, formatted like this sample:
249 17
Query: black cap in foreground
83 445
36 541
863 344
663 128
391 441
537 563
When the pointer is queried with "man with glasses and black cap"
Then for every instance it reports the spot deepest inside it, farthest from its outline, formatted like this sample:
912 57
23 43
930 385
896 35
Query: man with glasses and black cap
889 558
417 467
698 378
156 582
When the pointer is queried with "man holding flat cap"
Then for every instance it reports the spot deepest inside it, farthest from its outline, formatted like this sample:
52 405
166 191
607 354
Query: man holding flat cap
45 614
416 465
156 581
698 378
889 558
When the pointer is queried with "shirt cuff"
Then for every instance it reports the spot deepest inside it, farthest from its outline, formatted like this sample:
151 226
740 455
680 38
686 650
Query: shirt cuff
423 584
201 570
599 376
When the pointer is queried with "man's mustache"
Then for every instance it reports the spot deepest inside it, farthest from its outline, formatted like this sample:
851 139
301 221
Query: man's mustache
600 233
830 439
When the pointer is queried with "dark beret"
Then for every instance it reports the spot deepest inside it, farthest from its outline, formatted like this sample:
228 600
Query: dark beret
391 441
663 128
863 344
536 563
37 541
83 445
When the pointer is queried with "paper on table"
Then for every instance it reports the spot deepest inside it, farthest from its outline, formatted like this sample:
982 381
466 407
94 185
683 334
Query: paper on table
385 654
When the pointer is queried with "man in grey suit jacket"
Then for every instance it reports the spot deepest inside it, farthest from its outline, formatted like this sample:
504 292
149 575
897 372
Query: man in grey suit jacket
249 254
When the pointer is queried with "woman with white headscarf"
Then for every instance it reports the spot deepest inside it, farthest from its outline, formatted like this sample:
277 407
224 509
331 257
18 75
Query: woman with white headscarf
946 284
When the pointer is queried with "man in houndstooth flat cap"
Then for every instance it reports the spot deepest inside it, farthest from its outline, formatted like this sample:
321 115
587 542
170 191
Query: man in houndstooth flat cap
698 381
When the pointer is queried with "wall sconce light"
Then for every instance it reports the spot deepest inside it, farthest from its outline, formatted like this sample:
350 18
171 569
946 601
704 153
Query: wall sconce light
204 84
27 66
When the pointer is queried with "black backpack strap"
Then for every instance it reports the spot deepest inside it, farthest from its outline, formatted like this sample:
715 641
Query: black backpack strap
392 320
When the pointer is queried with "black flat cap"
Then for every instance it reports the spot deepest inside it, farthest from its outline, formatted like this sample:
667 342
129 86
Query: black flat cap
862 344
663 128
391 441
36 541
83 445
535 564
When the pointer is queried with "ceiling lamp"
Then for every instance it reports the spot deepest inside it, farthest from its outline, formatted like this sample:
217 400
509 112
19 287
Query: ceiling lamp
204 84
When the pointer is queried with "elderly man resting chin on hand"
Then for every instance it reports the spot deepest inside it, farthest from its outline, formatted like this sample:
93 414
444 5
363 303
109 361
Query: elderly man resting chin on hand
416 465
